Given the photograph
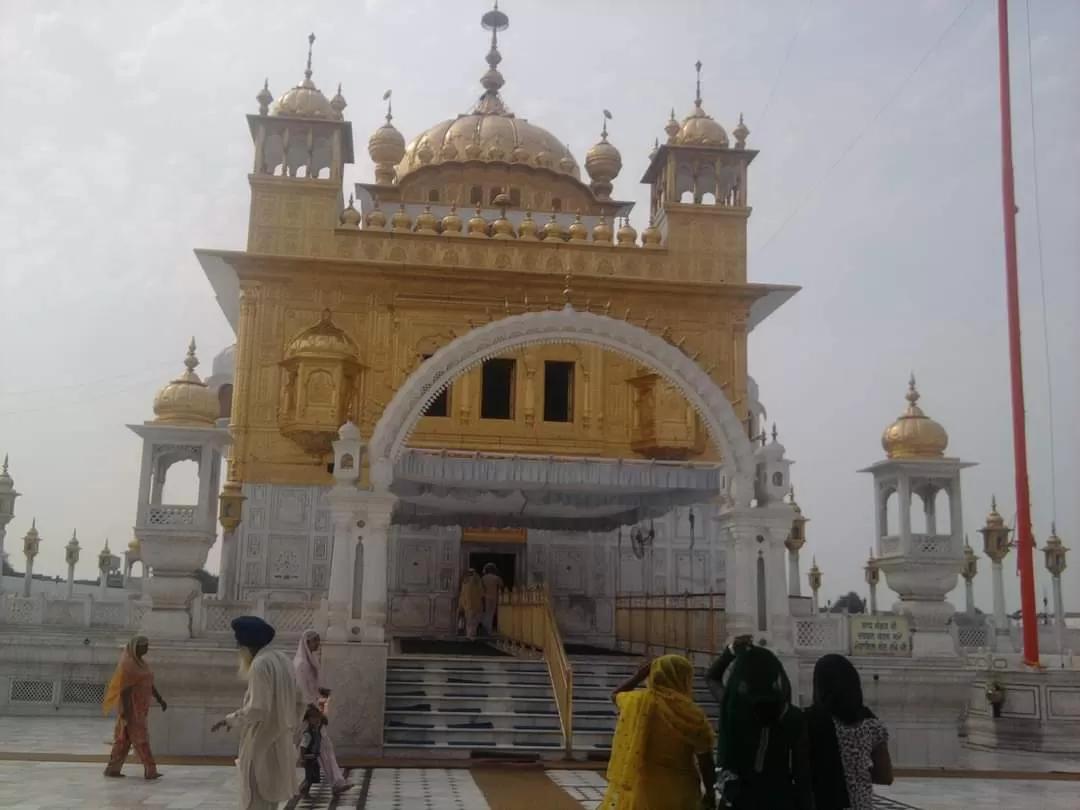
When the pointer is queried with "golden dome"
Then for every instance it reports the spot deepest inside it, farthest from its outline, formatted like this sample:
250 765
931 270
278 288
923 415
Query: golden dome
490 132
350 217
698 128
553 229
187 400
377 218
994 520
135 545
626 236
527 231
579 231
603 163
387 144
602 231
426 222
914 435
477 223
451 223
306 100
401 221
651 236
672 127
323 340
741 133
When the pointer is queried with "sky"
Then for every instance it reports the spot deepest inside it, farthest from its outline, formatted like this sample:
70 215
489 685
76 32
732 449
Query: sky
877 190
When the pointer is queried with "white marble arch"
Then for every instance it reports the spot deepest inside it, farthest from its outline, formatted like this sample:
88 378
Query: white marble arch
566 325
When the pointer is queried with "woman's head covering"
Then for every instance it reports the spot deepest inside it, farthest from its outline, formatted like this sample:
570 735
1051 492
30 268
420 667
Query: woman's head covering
131 670
491 568
668 697
307 665
252 632
838 688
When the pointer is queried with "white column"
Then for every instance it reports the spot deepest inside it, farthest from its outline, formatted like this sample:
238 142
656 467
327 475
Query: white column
344 516
969 597
1001 622
227 575
956 511
794 578
103 585
1059 614
71 580
815 606
903 494
873 600
28 578
376 537
930 510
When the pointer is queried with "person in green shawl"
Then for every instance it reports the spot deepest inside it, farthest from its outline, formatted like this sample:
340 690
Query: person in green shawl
762 753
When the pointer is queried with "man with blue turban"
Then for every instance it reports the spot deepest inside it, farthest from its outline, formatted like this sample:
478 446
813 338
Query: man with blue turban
268 721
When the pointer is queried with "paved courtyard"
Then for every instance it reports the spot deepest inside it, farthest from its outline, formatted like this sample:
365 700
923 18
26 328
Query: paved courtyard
49 783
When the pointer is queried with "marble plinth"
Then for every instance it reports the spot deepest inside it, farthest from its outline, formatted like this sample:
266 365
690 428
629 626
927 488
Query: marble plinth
356 675
1041 712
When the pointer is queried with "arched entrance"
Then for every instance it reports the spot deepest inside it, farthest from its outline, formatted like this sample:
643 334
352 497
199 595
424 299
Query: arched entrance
566 325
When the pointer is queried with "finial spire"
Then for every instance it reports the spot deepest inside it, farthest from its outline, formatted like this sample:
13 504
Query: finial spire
310 46
5 463
389 106
775 433
493 21
603 131
697 91
191 362
993 503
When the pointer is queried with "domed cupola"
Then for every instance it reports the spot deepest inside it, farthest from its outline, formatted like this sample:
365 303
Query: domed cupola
305 100
603 162
386 146
914 435
699 128
186 400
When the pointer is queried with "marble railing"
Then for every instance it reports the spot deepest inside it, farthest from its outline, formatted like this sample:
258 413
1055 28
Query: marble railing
824 633
210 616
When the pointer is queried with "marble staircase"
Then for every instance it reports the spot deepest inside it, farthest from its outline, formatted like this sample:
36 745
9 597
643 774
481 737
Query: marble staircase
472 706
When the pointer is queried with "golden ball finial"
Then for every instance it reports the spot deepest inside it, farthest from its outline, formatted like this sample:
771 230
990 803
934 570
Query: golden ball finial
426 222
477 224
741 133
602 231
527 231
401 221
603 162
376 219
451 223
350 217
264 97
186 400
579 232
627 234
914 435
672 127
554 230
386 146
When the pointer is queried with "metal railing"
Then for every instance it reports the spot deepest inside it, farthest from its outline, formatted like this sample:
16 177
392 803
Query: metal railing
527 622
688 623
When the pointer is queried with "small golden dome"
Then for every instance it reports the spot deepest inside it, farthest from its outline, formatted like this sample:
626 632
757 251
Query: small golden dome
305 100
477 223
502 228
135 545
741 133
451 223
651 236
323 340
602 231
579 232
655 149
386 144
401 221
350 217
527 231
377 218
264 97
914 434
672 127
338 103
186 400
426 222
627 235
603 161
698 128
554 230
994 520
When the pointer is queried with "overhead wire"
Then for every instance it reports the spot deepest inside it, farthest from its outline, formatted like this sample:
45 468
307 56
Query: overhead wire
1042 275
783 65
70 403
869 125
87 383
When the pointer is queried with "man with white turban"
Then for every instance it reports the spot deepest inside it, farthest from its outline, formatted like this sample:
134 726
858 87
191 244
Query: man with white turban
268 721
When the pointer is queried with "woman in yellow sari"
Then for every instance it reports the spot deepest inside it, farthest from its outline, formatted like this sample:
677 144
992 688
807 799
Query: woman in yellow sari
129 692
661 757
471 601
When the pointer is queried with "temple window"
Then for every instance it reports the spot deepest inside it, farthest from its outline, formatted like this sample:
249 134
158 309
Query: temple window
440 406
225 401
433 195
556 204
476 195
558 391
497 389
515 197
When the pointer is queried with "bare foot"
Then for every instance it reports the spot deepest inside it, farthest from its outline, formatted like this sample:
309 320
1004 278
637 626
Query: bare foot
152 777
114 774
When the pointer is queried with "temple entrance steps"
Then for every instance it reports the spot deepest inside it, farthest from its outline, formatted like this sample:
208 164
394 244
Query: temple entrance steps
481 705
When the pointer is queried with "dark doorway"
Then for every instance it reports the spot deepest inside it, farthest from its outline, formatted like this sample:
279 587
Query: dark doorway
505 562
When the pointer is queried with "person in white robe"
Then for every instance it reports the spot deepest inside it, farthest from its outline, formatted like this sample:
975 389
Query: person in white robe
268 721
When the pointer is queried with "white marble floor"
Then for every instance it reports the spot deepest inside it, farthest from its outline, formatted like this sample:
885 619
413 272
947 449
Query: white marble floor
423 789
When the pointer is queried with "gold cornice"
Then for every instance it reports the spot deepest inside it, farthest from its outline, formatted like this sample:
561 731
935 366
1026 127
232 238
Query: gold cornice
272 267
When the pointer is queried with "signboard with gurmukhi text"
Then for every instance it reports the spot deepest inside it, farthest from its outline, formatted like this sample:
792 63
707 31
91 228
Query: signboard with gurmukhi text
880 635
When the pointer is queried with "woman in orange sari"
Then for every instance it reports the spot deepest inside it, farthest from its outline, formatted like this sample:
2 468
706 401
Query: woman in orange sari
661 757
130 692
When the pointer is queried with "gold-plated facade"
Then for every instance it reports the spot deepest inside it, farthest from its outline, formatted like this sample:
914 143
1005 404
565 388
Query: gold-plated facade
482 217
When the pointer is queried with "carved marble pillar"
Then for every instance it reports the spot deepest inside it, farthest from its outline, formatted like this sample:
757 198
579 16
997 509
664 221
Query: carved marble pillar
378 510
344 515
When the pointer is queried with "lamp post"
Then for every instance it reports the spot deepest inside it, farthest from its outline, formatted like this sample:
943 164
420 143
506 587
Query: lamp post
71 556
1054 553
968 572
31 543
814 577
996 545
796 539
106 563
873 577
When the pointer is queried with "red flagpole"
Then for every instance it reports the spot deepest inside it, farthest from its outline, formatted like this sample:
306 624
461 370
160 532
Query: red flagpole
1025 541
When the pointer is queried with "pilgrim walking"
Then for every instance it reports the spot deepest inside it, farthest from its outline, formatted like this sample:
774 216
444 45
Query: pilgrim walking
269 720
130 691
308 665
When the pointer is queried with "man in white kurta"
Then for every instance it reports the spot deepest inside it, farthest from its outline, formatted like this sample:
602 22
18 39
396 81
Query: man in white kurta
268 721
